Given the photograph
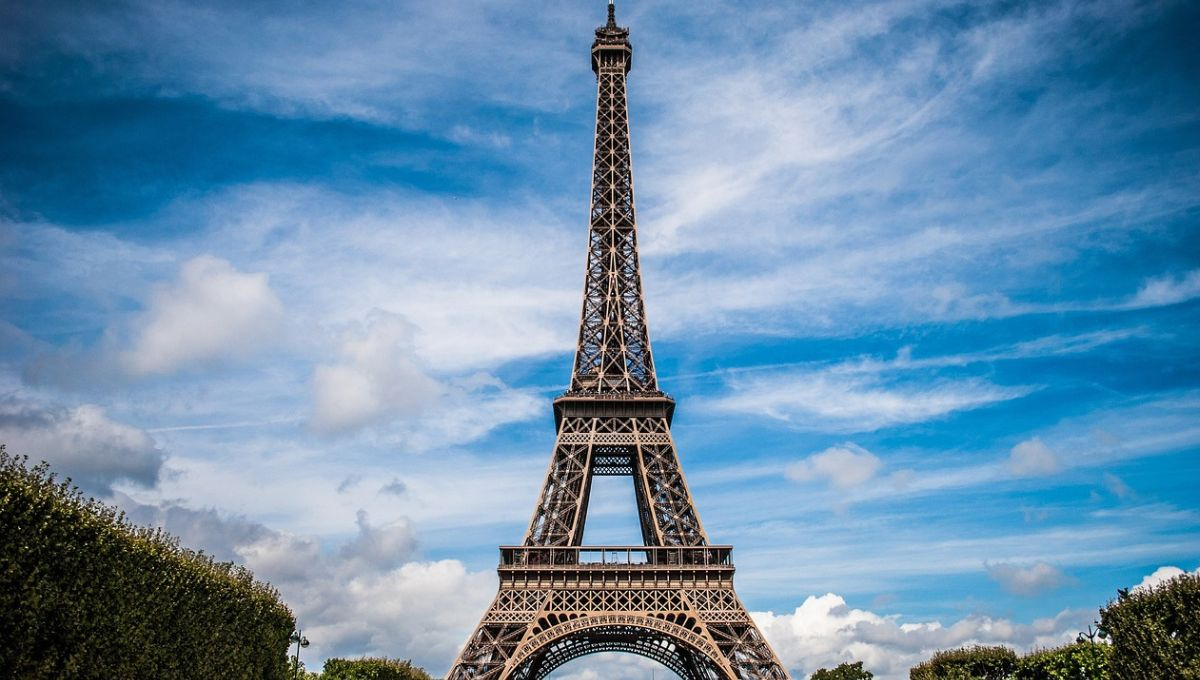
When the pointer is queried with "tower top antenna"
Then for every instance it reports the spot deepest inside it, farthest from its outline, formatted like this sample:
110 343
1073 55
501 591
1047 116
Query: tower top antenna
612 14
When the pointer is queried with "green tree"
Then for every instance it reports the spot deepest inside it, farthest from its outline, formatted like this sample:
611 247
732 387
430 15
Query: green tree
300 671
1155 632
843 671
372 669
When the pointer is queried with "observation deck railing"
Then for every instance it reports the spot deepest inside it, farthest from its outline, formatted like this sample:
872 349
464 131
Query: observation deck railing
616 556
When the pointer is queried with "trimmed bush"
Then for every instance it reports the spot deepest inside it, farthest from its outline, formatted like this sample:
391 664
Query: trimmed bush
843 671
372 669
86 594
968 663
1155 632
1079 661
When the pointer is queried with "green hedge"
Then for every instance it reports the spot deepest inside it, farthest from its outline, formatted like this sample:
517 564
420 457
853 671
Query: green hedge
968 663
1155 632
843 671
86 594
372 669
1079 661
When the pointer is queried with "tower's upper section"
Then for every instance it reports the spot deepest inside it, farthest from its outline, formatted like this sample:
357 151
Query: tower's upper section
611 48
613 357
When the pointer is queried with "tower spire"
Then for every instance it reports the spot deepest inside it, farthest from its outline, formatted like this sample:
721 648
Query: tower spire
613 352
612 14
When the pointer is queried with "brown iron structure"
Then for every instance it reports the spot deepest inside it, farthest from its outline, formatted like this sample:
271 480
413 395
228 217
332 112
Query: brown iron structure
672 599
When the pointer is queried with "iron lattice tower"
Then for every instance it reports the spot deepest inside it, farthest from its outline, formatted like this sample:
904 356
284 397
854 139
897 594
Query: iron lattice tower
671 599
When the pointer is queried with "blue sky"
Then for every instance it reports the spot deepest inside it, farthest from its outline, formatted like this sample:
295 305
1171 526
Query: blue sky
298 281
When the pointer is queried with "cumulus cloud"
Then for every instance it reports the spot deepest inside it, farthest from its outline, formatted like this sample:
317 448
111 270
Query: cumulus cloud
378 377
382 547
825 631
219 535
212 311
83 444
363 600
1028 580
369 595
380 381
1160 576
1033 458
844 466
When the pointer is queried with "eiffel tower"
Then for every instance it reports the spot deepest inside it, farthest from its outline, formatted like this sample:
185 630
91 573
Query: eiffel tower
671 599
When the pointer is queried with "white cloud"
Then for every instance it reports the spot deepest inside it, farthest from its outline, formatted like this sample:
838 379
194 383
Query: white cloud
314 61
377 379
1160 576
463 134
787 139
481 285
844 466
394 487
1028 580
1167 290
351 606
81 443
611 665
383 547
835 401
1116 486
211 312
824 631
380 381
372 595
1033 458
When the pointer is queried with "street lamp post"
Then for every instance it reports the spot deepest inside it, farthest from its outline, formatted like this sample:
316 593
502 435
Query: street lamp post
300 641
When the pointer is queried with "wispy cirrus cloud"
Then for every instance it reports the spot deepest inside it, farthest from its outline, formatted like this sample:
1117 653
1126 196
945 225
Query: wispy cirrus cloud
830 401
846 246
1167 290
314 61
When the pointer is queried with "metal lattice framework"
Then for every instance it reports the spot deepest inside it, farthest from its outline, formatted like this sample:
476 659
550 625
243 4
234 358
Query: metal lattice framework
613 354
640 447
672 599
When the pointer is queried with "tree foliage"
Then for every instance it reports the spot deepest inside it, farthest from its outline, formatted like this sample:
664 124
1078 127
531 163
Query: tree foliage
1154 634
843 671
372 669
1079 661
968 663
1155 631
86 594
